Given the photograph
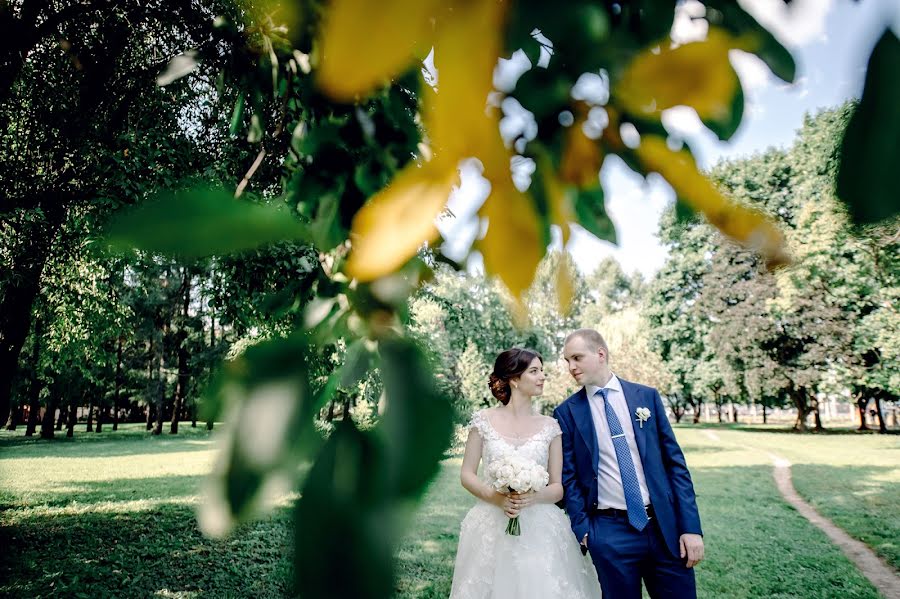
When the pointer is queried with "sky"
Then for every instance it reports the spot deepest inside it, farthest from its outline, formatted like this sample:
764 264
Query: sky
830 40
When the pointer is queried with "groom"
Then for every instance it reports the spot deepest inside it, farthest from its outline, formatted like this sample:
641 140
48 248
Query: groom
628 491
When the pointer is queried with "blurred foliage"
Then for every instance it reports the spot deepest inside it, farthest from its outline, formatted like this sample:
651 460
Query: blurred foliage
341 148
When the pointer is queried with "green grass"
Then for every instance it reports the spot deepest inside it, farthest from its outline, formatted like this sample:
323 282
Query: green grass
853 479
112 515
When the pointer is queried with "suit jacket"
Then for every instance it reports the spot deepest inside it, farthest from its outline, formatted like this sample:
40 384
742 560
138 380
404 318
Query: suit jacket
668 480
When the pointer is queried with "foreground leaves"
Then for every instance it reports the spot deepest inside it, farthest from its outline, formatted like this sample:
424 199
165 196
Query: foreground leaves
362 481
750 227
869 173
202 222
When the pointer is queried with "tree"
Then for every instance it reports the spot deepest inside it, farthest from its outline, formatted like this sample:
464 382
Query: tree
473 371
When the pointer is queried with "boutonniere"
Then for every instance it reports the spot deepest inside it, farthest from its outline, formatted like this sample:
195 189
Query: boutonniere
643 415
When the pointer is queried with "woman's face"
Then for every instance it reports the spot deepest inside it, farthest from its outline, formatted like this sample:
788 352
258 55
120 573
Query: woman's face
531 382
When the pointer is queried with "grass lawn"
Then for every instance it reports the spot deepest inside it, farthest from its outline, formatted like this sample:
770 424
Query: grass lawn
852 479
112 515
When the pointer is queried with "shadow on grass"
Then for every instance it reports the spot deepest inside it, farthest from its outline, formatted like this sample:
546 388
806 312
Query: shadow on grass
87 445
169 488
142 554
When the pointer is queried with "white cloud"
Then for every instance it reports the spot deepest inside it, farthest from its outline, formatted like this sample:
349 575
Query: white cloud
797 24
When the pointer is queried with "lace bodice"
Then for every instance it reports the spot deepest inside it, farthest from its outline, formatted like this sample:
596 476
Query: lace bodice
535 447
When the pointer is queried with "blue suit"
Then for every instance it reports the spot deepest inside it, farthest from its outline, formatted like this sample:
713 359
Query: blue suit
622 555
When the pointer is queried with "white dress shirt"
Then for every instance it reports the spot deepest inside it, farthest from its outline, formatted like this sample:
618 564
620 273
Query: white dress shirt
610 492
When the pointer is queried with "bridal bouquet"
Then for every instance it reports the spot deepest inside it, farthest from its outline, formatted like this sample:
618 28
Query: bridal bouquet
516 474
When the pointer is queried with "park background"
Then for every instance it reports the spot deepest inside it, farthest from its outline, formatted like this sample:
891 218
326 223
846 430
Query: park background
113 436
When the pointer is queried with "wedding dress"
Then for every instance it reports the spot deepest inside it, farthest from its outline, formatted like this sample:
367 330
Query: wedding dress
544 562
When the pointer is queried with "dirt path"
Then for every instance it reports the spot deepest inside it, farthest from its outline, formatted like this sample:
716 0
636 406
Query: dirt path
879 574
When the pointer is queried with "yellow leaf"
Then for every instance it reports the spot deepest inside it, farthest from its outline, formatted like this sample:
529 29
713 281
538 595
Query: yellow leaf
565 287
697 74
581 156
751 228
466 48
559 196
364 44
512 247
396 221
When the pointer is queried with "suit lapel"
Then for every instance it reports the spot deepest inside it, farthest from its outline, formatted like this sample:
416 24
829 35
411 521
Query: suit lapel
581 411
634 402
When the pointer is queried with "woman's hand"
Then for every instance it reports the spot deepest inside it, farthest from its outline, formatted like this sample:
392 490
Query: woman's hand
522 500
505 502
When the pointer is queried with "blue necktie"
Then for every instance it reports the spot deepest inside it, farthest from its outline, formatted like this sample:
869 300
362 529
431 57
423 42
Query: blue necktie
637 513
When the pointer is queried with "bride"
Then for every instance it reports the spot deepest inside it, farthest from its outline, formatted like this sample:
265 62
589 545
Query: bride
544 561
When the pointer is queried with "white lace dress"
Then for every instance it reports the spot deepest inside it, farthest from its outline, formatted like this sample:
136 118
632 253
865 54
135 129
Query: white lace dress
543 562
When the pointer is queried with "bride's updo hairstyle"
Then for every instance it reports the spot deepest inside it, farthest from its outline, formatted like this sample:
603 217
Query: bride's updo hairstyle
508 365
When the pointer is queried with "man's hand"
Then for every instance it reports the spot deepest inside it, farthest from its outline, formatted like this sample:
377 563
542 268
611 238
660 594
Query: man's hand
691 548
584 547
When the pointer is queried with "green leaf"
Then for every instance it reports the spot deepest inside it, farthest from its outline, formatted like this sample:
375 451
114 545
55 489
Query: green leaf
178 67
357 362
269 408
729 15
255 134
726 127
344 521
202 222
656 17
869 174
683 213
418 420
589 206
237 117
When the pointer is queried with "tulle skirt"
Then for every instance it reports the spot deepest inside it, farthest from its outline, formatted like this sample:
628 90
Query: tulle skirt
544 562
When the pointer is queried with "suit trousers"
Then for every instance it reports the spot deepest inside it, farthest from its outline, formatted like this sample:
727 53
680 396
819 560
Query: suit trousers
624 556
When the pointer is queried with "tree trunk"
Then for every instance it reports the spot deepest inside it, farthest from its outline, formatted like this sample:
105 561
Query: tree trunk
90 417
118 384
62 417
734 413
160 385
678 413
765 416
149 416
346 415
20 293
73 417
102 417
34 392
330 415
817 415
181 385
194 414
697 408
882 428
47 423
14 417
861 405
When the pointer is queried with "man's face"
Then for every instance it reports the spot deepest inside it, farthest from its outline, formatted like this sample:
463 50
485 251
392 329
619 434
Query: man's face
586 365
